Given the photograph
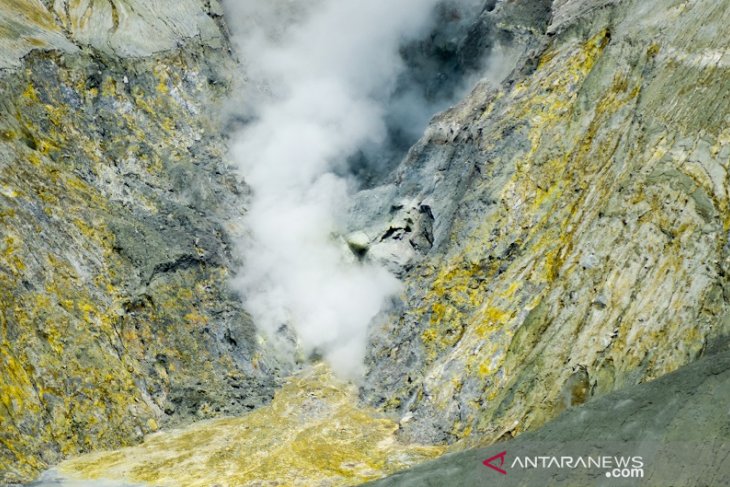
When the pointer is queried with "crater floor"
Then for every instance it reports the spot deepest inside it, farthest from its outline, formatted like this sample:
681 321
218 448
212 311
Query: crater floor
313 433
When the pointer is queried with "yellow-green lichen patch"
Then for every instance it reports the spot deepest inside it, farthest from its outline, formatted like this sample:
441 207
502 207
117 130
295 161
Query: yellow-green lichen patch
313 433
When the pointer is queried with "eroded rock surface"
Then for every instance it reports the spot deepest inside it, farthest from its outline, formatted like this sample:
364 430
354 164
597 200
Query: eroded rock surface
579 225
678 425
121 28
313 433
117 215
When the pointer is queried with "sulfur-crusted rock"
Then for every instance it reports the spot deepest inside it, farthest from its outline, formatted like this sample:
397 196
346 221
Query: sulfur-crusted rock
580 223
117 214
677 426
123 28
313 433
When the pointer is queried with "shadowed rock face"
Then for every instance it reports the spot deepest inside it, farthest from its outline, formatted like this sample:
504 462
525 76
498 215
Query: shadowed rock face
469 40
679 425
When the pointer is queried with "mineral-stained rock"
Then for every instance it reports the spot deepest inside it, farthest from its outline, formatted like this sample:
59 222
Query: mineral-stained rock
678 425
562 232
117 215
580 223
313 433
115 27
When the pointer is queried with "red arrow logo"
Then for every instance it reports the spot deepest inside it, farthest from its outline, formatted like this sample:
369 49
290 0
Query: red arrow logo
488 462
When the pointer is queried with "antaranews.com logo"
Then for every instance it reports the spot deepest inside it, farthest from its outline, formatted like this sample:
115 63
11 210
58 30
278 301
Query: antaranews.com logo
621 467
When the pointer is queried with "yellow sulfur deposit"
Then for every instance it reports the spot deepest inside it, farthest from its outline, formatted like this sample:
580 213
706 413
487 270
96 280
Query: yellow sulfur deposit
313 433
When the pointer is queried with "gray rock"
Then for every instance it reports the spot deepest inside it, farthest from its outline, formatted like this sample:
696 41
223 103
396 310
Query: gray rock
124 28
579 219
118 214
678 425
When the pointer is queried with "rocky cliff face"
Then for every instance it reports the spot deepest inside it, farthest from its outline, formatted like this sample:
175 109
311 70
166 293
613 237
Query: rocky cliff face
677 425
561 232
576 225
116 213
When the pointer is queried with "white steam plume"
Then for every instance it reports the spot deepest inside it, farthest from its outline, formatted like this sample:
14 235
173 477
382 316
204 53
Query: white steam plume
323 72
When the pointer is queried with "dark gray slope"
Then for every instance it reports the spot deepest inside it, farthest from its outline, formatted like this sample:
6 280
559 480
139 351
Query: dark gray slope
679 424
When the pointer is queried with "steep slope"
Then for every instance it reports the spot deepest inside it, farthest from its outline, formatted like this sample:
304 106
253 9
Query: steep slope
567 230
561 233
117 213
678 425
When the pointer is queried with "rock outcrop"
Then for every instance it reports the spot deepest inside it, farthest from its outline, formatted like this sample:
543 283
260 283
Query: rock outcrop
678 426
577 220
117 214
561 233
118 28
